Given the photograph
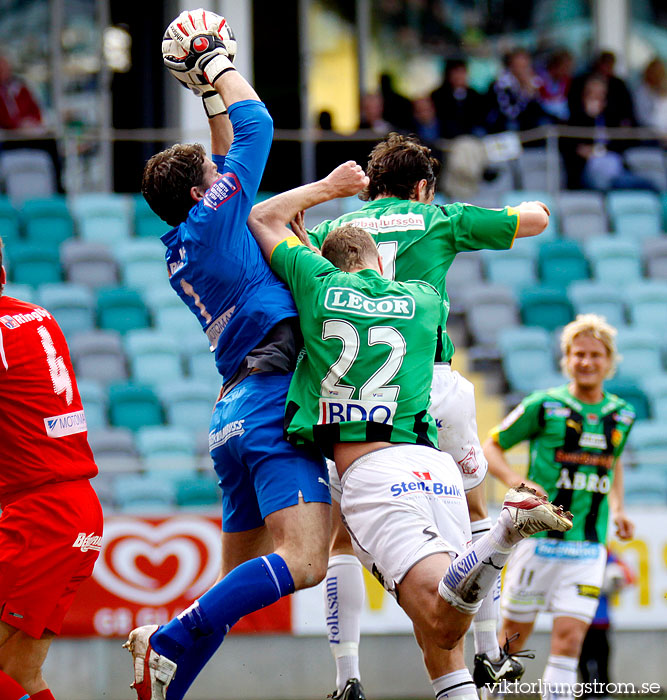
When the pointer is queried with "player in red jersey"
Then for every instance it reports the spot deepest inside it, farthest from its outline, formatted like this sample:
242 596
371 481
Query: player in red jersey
51 522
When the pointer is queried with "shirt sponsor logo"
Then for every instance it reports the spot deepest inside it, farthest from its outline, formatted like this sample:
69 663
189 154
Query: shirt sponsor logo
435 487
331 611
559 412
176 266
221 190
216 438
85 542
390 222
341 298
597 441
217 327
345 411
15 320
426 476
564 549
625 417
66 424
581 481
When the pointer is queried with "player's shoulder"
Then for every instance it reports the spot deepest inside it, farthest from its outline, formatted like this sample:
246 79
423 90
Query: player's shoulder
551 398
421 286
11 306
625 411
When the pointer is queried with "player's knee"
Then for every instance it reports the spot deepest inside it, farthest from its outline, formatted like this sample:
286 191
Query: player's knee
445 635
567 642
309 570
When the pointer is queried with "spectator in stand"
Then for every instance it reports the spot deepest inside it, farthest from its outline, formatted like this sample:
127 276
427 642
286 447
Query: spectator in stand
397 110
620 109
651 96
514 96
425 124
459 108
556 79
371 114
597 163
18 107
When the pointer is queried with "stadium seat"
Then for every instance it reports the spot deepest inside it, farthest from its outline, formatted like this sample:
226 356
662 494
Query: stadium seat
121 309
631 391
189 404
25 292
94 399
92 264
561 262
177 318
104 218
592 297
144 494
648 441
654 255
644 488
515 268
527 359
98 355
10 223
133 406
200 363
464 272
47 220
115 450
647 302
72 305
649 162
199 493
142 262
103 486
154 357
635 215
167 448
547 307
640 350
27 172
615 262
489 309
655 387
147 224
582 214
33 264
533 169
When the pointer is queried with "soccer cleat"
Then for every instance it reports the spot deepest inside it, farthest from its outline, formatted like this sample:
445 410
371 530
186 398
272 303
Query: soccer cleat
352 691
508 668
532 513
152 672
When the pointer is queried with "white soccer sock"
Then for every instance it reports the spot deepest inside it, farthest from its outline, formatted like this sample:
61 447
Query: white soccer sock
344 595
560 675
485 624
457 684
472 574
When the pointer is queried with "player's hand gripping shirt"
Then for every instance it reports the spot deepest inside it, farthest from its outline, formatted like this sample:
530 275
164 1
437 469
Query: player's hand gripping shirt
42 424
573 450
370 345
214 263
419 241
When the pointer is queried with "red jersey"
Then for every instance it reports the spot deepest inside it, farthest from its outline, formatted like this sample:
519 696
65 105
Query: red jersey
43 433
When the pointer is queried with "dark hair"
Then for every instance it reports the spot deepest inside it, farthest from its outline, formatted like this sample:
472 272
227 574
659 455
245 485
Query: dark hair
396 165
168 178
349 248
511 55
453 64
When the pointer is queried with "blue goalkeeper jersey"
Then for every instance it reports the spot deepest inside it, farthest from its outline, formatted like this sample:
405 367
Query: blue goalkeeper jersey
215 264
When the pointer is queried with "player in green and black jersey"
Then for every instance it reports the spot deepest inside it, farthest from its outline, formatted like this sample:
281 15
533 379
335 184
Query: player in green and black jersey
576 434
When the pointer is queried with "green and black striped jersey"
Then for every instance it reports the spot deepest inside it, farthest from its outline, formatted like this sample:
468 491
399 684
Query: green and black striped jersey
573 451
370 346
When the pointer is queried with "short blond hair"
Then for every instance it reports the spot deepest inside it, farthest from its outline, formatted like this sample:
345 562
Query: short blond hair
596 327
349 248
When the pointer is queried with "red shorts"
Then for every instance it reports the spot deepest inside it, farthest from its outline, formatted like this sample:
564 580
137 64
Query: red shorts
49 541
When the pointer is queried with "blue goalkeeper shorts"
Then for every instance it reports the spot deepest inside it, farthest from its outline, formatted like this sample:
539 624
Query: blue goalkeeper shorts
259 471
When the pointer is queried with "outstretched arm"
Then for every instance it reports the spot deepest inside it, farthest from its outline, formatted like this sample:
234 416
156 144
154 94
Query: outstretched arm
533 218
268 220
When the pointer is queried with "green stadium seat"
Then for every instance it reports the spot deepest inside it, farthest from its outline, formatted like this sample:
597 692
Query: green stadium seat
648 442
527 359
33 264
189 404
25 292
154 357
592 297
99 355
582 215
640 350
121 309
644 488
72 305
200 493
167 448
547 307
647 302
133 406
144 494
142 262
147 224
654 255
616 262
47 220
649 162
105 218
10 222
490 308
630 390
561 262
635 215
515 268
94 399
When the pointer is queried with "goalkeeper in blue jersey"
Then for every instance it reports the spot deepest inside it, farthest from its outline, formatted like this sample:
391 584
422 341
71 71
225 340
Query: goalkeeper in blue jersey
275 496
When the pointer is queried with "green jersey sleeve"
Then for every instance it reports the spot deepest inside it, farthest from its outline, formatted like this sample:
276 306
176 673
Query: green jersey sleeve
298 266
520 424
476 228
320 232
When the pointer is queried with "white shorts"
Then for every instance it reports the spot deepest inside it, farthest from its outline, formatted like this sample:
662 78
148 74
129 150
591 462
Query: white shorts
555 576
401 504
453 408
